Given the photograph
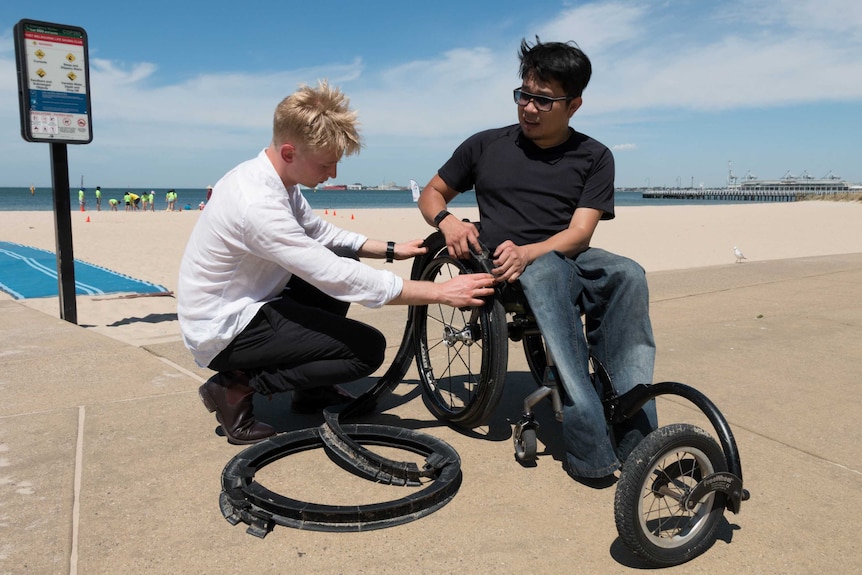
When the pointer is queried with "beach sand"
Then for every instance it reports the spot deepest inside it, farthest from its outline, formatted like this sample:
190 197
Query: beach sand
149 246
110 464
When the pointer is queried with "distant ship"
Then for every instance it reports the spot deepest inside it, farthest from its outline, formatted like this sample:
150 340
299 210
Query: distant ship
354 187
787 189
793 185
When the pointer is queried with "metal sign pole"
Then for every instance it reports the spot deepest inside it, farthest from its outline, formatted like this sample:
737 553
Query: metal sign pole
63 232
52 62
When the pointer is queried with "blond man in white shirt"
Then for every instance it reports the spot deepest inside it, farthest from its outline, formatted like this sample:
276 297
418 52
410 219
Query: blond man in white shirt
264 283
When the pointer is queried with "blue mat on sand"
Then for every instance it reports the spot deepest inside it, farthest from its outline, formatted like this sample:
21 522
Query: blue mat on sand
27 272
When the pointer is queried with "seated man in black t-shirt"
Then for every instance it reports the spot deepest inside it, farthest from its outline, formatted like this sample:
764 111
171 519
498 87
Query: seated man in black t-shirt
542 189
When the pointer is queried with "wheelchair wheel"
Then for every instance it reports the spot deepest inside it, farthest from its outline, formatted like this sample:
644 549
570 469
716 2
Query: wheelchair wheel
649 505
526 444
461 354
534 349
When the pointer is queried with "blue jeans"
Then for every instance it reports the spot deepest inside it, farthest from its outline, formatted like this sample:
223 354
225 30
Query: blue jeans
611 291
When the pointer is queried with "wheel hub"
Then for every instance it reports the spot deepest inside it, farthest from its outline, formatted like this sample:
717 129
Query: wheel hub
452 335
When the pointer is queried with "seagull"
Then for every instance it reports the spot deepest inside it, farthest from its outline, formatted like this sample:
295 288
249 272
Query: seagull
739 255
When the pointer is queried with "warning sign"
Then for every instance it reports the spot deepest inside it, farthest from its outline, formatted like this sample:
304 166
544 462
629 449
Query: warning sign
54 84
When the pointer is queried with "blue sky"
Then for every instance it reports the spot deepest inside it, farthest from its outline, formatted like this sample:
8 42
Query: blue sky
182 91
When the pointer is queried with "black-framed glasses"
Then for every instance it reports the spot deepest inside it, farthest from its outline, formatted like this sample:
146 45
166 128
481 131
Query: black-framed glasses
542 103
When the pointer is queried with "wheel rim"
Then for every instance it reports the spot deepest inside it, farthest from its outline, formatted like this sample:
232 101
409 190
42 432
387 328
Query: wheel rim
537 361
661 510
453 351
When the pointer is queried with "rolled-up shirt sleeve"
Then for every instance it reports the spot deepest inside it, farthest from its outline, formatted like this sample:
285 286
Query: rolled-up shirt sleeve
253 236
303 246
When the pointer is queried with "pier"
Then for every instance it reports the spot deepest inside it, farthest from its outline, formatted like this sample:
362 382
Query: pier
726 194
753 190
789 188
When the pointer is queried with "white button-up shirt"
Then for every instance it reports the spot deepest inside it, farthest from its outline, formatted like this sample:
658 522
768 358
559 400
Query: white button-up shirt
251 238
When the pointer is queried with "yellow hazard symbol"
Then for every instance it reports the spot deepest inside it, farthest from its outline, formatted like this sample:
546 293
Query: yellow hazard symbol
41 73
40 54
71 76
70 57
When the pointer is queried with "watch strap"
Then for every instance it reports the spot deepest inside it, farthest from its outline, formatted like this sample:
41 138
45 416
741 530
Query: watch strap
440 217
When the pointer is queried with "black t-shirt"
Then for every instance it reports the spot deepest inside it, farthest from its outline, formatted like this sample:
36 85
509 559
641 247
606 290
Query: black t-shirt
526 193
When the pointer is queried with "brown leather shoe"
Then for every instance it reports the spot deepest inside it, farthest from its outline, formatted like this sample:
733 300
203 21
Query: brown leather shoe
229 396
316 398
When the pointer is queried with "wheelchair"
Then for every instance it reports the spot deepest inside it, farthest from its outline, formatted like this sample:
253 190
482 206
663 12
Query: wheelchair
673 487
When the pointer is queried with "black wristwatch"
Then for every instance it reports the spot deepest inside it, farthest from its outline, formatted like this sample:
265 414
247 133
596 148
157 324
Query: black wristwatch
390 252
440 217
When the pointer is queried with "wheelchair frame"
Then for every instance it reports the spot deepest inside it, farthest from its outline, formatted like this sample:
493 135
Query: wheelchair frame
672 489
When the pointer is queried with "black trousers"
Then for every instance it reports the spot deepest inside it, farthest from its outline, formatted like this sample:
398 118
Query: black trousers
303 340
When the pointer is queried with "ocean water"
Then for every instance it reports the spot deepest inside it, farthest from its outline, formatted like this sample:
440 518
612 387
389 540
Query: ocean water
20 199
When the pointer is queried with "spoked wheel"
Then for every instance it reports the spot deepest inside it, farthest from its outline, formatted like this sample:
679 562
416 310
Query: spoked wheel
653 515
461 353
534 349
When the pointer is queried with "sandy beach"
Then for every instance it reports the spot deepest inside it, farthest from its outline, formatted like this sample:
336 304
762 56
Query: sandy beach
149 246
110 464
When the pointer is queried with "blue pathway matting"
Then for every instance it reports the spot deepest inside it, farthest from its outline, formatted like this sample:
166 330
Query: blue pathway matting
28 272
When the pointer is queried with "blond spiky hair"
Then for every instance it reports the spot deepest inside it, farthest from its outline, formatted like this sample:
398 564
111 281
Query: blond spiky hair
319 118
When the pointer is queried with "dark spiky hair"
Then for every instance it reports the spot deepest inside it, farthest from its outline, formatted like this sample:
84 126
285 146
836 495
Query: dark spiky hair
564 62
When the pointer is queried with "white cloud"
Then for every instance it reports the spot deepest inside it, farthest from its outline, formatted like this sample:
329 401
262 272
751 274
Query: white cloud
455 93
237 101
752 54
743 64
817 16
596 27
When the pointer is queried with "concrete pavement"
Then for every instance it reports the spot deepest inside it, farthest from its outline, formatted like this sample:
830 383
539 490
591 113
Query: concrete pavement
110 464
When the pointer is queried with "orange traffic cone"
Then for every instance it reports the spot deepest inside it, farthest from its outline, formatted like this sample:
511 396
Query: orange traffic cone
351 217
88 219
333 212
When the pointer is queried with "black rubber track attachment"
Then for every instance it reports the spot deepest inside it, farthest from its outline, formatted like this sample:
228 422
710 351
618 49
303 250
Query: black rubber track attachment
245 500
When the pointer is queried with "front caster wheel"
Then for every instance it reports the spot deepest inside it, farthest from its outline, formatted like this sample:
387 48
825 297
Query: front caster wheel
525 443
654 516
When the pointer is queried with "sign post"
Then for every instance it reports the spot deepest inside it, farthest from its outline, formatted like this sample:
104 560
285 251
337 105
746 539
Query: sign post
53 68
